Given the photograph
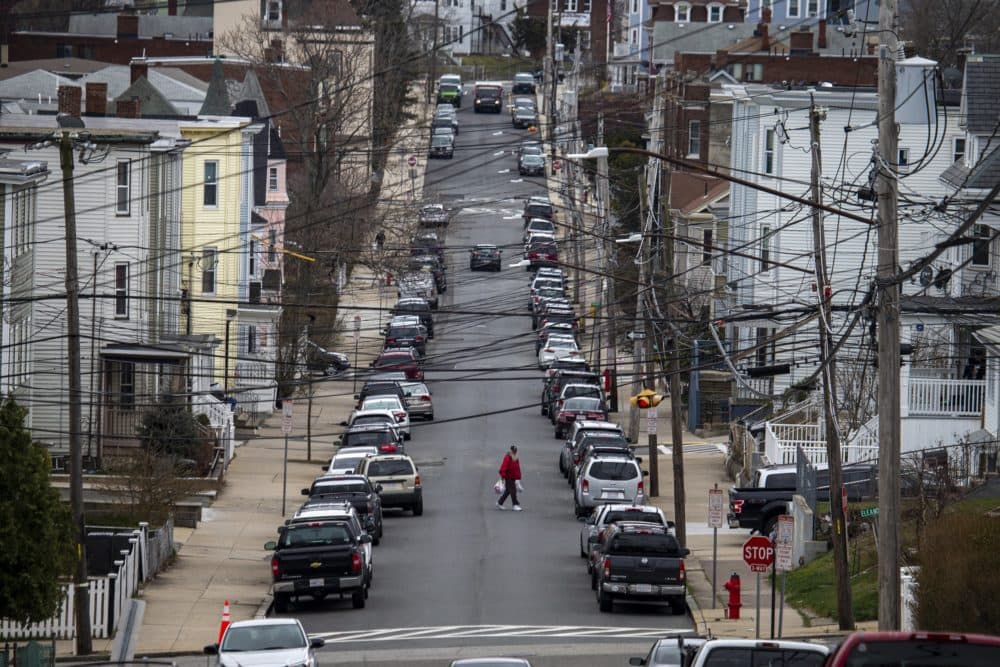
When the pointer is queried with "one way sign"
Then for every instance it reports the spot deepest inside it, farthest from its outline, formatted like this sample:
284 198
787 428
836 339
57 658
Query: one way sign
636 335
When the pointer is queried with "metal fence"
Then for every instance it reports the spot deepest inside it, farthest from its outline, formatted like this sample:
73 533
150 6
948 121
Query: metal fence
29 654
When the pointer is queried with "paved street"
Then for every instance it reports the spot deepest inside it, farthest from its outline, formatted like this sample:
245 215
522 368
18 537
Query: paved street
464 563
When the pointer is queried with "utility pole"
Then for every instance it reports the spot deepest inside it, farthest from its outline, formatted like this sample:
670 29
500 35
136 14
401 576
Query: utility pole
548 69
601 246
554 82
81 591
887 326
432 76
604 224
845 612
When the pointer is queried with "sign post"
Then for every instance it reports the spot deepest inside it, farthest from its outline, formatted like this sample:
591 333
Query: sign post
286 428
715 505
357 336
758 554
783 558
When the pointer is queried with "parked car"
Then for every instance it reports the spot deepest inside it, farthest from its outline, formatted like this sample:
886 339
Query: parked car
428 242
582 407
598 446
433 265
524 83
522 102
400 480
552 385
321 361
406 333
903 649
378 387
603 515
642 562
536 225
531 165
777 652
669 652
420 285
525 117
557 347
449 93
353 489
433 215
441 146
346 460
574 390
390 404
265 641
336 545
445 115
383 435
552 329
419 307
485 257
406 360
608 479
542 252
418 400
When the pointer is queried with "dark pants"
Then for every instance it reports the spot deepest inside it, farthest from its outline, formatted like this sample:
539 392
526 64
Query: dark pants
510 489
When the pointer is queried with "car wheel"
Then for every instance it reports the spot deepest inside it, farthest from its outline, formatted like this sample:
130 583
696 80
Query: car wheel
406 436
430 417
376 539
562 466
280 603
577 510
679 606
583 553
593 579
606 604
471 267
769 526
381 529
418 508
543 410
559 433
358 599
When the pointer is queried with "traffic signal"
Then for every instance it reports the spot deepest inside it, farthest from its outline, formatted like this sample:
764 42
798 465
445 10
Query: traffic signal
647 398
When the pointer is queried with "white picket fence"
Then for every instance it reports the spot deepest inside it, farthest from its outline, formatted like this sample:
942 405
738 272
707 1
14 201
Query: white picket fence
108 595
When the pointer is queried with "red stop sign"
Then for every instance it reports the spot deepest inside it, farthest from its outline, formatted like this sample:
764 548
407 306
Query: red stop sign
758 553
412 160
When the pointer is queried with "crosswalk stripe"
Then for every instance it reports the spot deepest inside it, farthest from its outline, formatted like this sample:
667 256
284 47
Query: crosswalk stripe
490 631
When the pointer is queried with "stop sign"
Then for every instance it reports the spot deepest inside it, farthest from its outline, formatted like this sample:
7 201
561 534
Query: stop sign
412 160
758 553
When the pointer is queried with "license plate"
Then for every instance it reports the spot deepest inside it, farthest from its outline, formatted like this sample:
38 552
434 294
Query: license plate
613 493
316 583
643 588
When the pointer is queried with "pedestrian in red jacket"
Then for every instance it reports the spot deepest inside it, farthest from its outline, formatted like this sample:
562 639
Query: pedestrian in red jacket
510 473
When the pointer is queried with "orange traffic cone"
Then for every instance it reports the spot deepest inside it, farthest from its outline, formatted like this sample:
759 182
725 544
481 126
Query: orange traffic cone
225 622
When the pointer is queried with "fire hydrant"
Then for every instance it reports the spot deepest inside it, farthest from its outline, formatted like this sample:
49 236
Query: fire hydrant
733 586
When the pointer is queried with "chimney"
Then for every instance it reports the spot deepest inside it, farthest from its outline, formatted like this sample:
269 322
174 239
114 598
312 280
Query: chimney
171 7
765 15
128 25
822 34
800 41
129 108
138 67
275 52
765 39
69 100
97 99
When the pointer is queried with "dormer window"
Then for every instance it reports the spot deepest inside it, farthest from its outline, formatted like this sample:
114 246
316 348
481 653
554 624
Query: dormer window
272 11
682 12
715 13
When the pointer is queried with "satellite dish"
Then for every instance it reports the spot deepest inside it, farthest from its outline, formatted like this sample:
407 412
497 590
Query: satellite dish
926 276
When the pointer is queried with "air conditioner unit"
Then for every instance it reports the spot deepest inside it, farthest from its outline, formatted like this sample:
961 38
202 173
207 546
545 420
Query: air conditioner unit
255 292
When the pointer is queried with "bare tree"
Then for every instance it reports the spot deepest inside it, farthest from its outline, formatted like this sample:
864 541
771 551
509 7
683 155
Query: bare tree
939 29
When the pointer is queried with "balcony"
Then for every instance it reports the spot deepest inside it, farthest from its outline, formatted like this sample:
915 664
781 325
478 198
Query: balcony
939 394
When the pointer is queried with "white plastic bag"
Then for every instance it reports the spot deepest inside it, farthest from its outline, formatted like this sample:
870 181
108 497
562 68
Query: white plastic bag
499 486
520 487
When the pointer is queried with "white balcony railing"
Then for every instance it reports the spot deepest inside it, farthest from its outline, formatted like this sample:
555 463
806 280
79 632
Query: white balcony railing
933 397
781 443
220 416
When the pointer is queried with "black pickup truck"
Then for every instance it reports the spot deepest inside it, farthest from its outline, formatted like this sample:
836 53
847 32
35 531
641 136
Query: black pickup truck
353 489
318 558
640 563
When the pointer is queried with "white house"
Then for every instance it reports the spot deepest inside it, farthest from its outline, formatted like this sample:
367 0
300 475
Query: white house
466 26
631 50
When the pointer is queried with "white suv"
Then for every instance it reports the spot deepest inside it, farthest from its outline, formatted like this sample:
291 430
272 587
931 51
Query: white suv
608 479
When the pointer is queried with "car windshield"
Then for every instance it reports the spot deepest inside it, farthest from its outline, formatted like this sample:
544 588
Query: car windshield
632 515
402 332
263 638
366 438
390 467
352 486
614 471
432 210
731 657
341 461
487 252
449 88
583 403
363 420
562 343
542 246
316 535
533 159
380 404
531 150
441 140
648 543
541 226
392 360
922 653
413 307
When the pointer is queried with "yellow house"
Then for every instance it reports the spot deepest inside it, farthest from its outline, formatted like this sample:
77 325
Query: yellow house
215 232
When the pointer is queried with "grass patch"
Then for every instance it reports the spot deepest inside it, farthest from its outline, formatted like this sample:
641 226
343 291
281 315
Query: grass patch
496 67
812 587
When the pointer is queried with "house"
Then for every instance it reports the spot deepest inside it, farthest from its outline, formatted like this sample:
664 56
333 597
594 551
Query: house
631 47
592 19
464 26
770 284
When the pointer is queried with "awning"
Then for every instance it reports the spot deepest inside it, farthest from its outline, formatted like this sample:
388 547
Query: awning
151 354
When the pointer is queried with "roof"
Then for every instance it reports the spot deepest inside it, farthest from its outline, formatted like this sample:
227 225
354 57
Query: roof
70 67
105 24
217 101
670 37
691 193
983 176
982 89
151 100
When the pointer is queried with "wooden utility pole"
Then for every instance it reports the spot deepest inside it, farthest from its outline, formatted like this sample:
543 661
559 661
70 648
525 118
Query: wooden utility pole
81 591
604 211
432 76
548 69
887 326
845 612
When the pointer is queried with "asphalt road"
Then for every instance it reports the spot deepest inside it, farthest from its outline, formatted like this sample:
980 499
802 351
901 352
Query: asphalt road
465 574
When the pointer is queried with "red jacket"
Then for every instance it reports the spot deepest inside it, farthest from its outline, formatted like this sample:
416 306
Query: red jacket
510 468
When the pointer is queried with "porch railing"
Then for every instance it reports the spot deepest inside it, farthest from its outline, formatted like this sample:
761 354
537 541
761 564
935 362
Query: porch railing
946 397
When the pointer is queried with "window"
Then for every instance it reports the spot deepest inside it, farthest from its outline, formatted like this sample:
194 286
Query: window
736 69
694 138
792 7
209 262
635 6
762 355
584 35
251 339
634 38
981 245
755 72
272 179
503 5
958 149
706 246
682 12
769 151
211 197
121 290
272 245
124 186
570 5
765 248
813 7
273 11
586 10
23 219
126 385
903 159
252 266
715 13
64 50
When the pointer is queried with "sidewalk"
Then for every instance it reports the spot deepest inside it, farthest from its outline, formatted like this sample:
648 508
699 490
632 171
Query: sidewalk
224 558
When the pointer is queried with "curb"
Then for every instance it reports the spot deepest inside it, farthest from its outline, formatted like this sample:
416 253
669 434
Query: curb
700 627
265 607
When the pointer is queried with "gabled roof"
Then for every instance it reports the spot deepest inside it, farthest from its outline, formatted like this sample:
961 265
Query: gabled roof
151 100
692 193
982 176
217 98
982 90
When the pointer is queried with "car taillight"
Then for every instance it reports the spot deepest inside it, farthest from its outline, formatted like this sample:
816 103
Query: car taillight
532 255
275 567
585 486
548 349
390 340
682 574
400 416
640 487
599 416
550 256
607 567
416 481
355 563
425 398
387 447
737 506
419 339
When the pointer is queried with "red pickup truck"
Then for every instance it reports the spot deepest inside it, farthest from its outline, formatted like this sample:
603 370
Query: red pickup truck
902 649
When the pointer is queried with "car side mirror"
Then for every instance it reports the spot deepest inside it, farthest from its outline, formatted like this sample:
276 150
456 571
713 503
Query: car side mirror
326 468
343 423
645 473
638 662
305 492
638 460
685 553
357 397
378 488
671 524
317 642
365 539
581 519
270 546
211 649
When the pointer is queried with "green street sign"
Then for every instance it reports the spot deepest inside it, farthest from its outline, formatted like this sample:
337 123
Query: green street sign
869 512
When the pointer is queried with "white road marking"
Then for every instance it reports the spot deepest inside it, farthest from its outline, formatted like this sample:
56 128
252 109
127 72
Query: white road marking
503 171
493 631
517 180
511 217
498 153
497 134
